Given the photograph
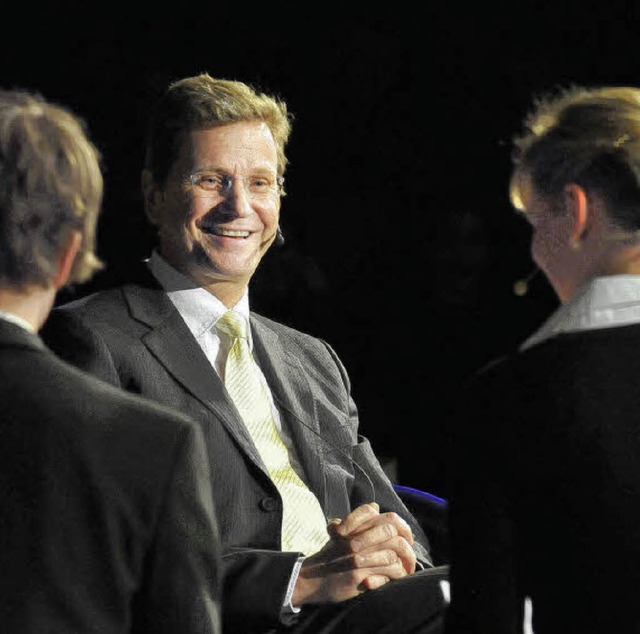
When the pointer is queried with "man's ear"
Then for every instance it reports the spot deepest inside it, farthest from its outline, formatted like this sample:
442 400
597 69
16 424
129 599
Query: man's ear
577 206
151 196
67 258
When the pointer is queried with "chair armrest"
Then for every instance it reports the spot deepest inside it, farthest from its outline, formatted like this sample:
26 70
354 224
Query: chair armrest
431 512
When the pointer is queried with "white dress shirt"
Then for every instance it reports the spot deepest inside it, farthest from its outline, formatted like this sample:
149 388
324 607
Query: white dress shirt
18 321
603 302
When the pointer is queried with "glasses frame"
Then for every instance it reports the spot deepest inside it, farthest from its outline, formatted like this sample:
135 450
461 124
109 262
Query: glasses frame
228 182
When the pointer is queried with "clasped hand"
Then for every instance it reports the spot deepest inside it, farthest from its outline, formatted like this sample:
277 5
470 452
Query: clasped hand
365 550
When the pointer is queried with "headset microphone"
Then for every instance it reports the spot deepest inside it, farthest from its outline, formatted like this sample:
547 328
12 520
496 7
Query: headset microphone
279 239
521 287
328 442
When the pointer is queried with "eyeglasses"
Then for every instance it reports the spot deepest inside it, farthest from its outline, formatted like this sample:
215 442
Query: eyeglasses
218 184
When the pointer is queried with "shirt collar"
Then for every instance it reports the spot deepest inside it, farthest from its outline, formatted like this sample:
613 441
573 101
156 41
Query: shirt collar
603 302
199 308
18 321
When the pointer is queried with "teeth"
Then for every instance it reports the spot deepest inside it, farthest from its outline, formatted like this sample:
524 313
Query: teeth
230 234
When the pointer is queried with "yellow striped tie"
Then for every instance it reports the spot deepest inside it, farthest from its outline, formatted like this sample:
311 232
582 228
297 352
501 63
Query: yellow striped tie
303 522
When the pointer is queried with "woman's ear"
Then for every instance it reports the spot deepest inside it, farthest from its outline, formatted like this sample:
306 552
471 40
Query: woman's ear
151 196
577 206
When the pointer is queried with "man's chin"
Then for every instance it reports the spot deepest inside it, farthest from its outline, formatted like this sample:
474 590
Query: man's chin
212 272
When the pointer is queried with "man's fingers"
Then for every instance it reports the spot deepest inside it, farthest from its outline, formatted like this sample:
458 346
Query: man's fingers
356 518
395 549
332 527
373 582
391 519
397 555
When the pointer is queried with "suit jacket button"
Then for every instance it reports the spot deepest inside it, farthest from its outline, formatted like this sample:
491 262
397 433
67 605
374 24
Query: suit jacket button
268 504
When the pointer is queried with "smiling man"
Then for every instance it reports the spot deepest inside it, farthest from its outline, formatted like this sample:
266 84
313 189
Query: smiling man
315 539
226 180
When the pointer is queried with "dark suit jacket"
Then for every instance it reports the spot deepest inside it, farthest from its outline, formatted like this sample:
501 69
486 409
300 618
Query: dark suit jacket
547 498
135 338
106 520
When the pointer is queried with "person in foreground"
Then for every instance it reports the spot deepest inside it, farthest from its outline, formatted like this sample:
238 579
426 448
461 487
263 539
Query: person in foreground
546 503
107 521
315 539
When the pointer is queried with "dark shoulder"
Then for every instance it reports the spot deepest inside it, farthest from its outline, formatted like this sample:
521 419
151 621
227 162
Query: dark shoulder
73 329
288 334
560 364
308 349
110 300
102 306
102 401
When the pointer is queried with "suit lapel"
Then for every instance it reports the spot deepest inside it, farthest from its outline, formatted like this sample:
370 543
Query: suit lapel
294 399
171 342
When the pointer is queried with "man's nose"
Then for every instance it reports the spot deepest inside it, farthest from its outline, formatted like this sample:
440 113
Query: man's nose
237 197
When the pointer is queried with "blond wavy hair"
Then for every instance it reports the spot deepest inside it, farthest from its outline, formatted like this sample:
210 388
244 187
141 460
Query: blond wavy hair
201 102
589 136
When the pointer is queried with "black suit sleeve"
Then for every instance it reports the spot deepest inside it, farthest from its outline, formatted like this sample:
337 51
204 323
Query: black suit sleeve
485 593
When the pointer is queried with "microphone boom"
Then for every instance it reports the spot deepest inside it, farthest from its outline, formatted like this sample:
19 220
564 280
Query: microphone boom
521 287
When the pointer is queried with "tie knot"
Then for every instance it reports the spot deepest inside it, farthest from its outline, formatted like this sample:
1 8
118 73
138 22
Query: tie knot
233 325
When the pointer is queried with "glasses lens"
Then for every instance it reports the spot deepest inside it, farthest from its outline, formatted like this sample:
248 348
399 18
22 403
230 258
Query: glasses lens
215 183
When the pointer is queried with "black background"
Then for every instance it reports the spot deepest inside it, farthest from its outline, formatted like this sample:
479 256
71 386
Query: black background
401 248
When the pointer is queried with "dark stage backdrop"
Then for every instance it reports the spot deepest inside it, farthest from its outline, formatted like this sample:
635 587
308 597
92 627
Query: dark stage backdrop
397 210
